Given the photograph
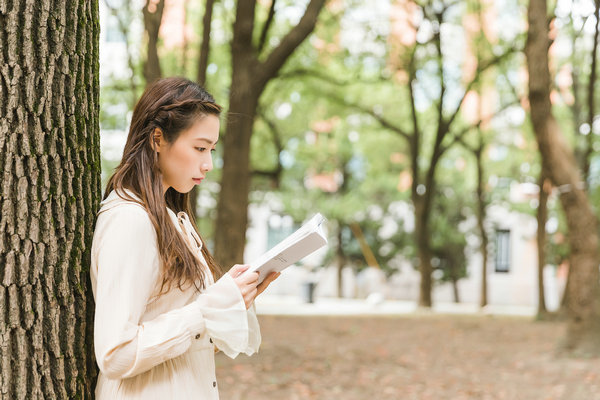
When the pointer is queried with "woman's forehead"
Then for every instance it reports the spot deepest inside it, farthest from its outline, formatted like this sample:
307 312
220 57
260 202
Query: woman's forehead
204 130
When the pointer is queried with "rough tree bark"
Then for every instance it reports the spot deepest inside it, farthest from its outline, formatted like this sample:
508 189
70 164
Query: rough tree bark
50 174
583 328
249 78
153 11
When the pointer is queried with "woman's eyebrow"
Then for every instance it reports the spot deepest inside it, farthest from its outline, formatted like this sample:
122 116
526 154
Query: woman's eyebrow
207 141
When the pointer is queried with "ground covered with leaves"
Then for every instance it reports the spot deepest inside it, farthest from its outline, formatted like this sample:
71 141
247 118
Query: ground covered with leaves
408 357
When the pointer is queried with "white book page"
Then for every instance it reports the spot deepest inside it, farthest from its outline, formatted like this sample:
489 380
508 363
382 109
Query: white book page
304 241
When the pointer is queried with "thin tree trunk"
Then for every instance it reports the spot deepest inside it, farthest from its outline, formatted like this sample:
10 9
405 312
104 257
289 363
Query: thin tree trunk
185 45
249 78
423 248
367 253
455 291
341 262
481 215
583 327
205 46
152 19
50 172
542 217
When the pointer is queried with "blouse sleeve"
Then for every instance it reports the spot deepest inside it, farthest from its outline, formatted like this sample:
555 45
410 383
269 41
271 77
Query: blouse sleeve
234 329
127 273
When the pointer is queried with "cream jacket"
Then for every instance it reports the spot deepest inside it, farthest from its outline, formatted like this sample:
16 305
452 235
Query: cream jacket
150 347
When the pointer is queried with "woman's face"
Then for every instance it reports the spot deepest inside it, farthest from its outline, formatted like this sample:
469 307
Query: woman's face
185 162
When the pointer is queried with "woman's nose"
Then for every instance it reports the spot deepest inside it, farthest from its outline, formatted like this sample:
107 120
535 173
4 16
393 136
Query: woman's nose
207 165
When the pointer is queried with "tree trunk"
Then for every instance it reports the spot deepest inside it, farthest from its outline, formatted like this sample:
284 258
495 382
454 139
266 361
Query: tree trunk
249 78
565 297
50 168
583 328
481 204
232 209
423 247
185 44
455 291
152 18
341 262
205 46
542 217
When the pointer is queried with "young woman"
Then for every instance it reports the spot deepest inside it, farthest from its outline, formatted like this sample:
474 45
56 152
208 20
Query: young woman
162 307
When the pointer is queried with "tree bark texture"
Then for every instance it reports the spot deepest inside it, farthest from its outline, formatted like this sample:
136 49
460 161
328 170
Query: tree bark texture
152 11
50 190
249 78
583 329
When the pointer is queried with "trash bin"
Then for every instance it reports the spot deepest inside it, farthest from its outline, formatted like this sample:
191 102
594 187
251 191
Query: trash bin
309 292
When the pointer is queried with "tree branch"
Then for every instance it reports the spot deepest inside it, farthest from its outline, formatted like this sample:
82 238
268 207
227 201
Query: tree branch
328 78
275 173
458 137
382 121
266 26
289 43
480 69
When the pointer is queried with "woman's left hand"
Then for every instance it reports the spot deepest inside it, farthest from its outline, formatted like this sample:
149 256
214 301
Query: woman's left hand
270 278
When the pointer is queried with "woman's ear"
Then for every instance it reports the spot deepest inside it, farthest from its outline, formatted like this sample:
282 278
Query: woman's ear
156 140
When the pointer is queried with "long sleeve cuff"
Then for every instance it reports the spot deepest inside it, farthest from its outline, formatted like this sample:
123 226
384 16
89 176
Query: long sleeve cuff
233 329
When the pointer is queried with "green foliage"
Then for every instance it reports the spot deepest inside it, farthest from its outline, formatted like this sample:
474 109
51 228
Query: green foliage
448 240
314 150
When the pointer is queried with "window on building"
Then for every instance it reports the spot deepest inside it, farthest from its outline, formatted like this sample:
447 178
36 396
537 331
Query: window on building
502 250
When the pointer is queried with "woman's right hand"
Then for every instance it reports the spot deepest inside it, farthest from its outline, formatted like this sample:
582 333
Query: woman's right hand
246 282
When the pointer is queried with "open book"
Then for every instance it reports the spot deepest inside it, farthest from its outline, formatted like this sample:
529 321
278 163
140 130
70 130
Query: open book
308 238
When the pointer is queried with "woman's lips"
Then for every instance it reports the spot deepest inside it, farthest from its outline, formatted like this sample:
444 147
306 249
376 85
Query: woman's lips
197 180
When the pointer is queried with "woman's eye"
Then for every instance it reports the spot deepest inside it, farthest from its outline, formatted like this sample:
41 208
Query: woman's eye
213 150
201 149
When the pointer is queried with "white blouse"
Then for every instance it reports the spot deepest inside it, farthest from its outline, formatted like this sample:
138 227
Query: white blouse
163 347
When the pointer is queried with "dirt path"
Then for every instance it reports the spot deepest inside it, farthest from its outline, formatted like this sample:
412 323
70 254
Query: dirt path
413 357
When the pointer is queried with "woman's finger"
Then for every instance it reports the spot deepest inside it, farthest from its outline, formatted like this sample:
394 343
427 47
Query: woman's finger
238 269
270 278
249 297
248 279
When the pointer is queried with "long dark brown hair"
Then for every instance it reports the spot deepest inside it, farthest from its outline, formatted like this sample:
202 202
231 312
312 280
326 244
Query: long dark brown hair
171 105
